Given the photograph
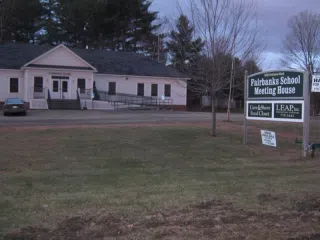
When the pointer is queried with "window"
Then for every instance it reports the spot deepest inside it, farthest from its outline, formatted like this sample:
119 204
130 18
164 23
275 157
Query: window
14 101
65 86
140 89
112 88
167 90
82 85
55 86
38 84
14 85
154 90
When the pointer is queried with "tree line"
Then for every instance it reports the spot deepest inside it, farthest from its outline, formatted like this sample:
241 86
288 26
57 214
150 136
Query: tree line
122 25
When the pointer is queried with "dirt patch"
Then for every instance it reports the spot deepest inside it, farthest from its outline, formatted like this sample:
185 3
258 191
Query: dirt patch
309 237
76 228
29 233
211 204
308 204
208 220
264 198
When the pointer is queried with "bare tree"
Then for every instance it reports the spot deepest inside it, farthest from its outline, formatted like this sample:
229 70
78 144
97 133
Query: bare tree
302 44
229 28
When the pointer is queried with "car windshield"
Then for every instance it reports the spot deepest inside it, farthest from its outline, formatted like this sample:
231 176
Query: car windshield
14 101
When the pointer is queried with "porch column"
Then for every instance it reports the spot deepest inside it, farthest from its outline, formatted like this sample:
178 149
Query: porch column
27 86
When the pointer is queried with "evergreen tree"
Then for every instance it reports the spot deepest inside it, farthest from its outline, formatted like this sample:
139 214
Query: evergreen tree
122 25
182 46
185 53
51 33
141 29
19 20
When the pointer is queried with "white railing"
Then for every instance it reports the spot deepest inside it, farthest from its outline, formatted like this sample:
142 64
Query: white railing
84 93
38 93
38 104
96 105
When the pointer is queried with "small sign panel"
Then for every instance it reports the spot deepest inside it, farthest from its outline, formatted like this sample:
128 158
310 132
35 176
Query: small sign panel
268 138
288 111
315 83
260 110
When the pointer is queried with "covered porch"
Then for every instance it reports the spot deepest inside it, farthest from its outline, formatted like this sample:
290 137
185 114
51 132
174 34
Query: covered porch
45 87
58 75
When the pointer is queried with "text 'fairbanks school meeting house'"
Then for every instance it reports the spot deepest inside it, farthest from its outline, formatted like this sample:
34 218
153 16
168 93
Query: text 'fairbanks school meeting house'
60 77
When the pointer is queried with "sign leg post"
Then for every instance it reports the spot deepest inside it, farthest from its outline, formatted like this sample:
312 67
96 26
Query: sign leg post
245 127
306 120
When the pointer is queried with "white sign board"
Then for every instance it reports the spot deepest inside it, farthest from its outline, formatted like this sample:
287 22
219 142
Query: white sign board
315 83
268 138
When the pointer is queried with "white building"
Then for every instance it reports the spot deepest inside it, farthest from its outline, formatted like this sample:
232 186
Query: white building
60 77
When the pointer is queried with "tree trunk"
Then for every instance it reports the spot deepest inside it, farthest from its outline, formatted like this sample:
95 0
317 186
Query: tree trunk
1 30
230 90
214 119
229 105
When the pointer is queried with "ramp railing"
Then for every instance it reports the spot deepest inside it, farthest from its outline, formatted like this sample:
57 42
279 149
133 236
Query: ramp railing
131 99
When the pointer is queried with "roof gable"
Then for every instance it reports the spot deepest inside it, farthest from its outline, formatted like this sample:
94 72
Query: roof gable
60 56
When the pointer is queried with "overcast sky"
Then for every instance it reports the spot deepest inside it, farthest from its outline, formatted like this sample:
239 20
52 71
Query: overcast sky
273 18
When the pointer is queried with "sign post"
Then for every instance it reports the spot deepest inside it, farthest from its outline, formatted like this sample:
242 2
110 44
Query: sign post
281 96
306 129
245 128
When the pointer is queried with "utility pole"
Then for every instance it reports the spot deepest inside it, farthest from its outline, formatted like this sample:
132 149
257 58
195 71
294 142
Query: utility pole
158 48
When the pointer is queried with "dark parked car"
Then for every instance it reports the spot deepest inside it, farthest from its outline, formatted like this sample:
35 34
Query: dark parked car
14 105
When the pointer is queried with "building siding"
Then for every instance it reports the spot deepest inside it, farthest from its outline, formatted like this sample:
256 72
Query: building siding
128 85
5 84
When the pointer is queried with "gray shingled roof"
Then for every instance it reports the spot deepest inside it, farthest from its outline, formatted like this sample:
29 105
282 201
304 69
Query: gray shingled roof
14 56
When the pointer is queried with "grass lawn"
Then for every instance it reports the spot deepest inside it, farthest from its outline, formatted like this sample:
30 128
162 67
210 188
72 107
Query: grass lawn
49 175
291 128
